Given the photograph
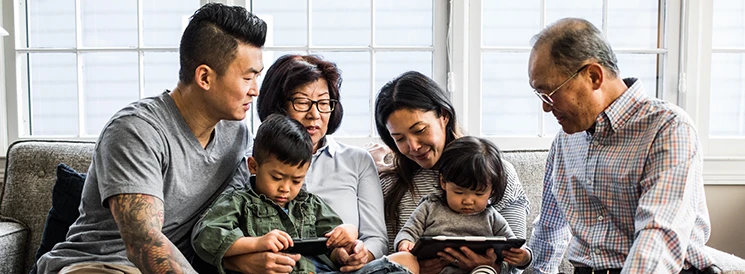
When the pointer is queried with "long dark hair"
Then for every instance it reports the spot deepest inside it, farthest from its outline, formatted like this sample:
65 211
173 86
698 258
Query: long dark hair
290 72
410 90
473 163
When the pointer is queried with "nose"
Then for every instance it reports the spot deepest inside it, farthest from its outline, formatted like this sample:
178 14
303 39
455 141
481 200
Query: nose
284 187
413 144
253 89
313 112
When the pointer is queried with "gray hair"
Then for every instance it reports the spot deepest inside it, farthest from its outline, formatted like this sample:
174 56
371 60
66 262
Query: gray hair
573 41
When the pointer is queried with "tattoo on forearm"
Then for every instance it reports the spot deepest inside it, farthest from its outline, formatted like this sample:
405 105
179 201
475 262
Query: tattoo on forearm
140 219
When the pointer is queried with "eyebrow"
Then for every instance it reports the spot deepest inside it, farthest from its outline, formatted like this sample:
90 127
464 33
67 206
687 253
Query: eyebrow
410 128
253 70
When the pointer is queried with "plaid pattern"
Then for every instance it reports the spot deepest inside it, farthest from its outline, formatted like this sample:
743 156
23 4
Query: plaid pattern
629 196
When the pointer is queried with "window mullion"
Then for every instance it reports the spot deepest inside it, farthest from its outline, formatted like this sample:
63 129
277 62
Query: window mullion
140 52
79 66
373 44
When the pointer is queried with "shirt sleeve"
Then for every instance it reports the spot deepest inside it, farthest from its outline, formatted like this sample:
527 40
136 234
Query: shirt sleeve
551 233
414 226
370 206
326 217
672 191
514 206
218 228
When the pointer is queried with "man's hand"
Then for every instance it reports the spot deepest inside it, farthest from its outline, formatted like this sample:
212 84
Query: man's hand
432 266
516 256
405 246
262 262
275 241
342 235
351 257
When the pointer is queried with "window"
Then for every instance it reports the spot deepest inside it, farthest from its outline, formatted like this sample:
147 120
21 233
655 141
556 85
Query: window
727 96
370 41
77 62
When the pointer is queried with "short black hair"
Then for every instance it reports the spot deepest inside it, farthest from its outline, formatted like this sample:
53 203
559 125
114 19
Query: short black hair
474 163
212 38
292 71
283 138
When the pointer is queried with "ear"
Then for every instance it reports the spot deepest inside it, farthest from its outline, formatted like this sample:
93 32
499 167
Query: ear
204 76
445 117
597 75
442 182
253 166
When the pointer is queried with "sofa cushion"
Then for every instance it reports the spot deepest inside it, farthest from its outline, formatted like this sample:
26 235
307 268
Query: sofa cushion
13 236
65 201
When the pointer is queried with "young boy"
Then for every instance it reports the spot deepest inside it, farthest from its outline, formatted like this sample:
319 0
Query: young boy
266 215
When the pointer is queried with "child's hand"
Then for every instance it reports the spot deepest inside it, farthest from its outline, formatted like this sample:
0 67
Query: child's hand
342 235
517 256
405 245
275 241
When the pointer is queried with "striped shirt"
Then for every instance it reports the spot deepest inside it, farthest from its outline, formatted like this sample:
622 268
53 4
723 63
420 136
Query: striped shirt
514 205
630 195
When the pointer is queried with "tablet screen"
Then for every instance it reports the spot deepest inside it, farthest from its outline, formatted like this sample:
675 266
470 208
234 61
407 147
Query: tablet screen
428 246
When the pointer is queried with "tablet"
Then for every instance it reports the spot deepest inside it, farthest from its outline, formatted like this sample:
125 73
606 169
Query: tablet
308 246
428 246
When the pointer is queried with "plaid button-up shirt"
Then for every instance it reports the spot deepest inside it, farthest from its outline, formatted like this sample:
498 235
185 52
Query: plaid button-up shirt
630 195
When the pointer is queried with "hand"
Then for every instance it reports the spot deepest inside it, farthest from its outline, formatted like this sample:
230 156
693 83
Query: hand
405 245
262 262
275 241
516 256
467 259
342 235
352 257
432 266
379 153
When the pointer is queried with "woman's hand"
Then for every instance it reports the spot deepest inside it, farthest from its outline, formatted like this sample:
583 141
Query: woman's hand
342 235
262 262
432 265
352 257
466 259
382 156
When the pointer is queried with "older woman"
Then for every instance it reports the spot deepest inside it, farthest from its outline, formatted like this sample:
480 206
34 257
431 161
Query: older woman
416 120
306 88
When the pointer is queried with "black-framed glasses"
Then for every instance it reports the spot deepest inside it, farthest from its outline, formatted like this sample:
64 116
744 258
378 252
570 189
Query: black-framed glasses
304 104
546 97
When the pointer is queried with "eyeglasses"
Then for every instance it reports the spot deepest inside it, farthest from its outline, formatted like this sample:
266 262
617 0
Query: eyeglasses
304 104
546 97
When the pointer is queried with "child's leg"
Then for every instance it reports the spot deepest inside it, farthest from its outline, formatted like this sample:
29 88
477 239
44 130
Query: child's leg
406 259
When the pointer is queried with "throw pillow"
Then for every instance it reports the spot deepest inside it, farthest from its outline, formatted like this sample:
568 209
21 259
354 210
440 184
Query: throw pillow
65 201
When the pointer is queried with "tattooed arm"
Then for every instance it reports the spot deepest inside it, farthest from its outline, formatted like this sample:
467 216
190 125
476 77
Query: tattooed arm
140 220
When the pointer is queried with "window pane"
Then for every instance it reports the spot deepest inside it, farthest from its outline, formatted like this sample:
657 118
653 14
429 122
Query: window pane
632 23
341 23
287 21
51 24
54 94
388 65
110 83
510 23
728 24
508 105
727 102
355 91
164 20
591 10
403 23
110 23
642 66
161 72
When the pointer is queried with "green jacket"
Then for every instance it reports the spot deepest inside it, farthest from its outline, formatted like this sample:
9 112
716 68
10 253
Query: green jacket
244 213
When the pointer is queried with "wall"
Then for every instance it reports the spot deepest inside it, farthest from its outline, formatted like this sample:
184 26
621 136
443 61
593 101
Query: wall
727 213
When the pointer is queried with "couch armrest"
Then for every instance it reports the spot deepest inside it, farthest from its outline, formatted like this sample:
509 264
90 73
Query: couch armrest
13 242
725 261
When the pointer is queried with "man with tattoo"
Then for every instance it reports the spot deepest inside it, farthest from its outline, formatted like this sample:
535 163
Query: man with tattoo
159 162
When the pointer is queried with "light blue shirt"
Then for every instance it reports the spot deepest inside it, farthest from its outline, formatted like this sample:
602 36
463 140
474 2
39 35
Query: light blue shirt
346 178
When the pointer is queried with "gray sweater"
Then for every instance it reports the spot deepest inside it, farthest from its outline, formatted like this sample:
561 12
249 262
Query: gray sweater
433 217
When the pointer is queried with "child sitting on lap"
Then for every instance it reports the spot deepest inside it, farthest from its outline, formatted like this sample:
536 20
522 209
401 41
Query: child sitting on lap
275 209
471 178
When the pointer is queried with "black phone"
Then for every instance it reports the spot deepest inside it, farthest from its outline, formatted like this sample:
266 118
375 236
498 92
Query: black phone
308 246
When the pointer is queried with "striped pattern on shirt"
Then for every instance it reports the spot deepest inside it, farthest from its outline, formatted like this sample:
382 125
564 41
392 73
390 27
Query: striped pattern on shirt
629 196
514 205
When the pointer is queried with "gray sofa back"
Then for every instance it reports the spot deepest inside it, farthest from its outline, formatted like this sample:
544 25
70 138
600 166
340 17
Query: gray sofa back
26 191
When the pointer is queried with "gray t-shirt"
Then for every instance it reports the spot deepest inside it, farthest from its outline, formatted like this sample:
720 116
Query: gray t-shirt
148 148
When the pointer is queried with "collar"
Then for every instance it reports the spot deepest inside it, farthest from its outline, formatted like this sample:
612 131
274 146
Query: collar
330 146
622 109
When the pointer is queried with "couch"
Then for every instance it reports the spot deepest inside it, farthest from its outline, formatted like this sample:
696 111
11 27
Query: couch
25 196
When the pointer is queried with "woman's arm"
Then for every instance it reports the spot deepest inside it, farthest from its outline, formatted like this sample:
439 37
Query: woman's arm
370 205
